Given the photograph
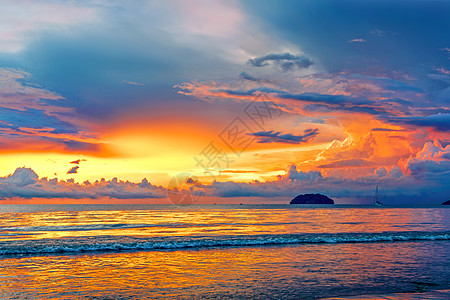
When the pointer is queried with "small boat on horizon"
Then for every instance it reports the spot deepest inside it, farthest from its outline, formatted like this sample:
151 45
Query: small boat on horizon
376 202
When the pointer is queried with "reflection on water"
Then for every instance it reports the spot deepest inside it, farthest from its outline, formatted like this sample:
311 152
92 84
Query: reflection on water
335 268
218 221
279 272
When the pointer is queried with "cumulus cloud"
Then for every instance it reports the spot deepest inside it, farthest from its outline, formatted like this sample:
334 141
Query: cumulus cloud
25 183
394 187
381 172
433 158
396 172
293 174
278 137
286 61
22 177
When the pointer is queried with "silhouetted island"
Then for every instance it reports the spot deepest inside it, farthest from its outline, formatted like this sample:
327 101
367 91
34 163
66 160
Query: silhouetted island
312 199
446 202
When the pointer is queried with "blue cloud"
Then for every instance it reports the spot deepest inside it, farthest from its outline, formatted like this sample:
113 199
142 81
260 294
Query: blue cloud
73 170
286 61
278 137
440 122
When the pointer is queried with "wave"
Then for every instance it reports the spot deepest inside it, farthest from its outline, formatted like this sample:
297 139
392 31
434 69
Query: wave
112 226
129 243
87 227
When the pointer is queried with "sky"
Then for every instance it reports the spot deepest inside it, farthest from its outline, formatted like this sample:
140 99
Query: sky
248 101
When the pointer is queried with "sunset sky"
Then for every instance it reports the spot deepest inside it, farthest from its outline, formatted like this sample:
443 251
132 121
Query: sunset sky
250 99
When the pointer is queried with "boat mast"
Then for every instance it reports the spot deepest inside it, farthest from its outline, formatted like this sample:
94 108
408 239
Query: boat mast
375 198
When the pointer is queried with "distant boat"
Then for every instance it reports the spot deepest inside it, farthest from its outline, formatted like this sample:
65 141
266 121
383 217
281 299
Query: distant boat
376 202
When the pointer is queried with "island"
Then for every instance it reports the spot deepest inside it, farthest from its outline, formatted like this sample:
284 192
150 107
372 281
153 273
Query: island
446 202
312 199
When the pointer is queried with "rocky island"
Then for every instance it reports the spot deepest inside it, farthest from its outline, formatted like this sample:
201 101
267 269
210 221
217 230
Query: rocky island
446 202
312 199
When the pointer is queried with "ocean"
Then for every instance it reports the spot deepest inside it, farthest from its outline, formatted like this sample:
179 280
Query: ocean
224 251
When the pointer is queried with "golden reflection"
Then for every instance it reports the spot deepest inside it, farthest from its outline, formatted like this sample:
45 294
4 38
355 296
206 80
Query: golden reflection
212 222
246 272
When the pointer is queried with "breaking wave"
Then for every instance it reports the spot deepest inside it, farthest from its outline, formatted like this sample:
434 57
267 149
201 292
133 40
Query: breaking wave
129 243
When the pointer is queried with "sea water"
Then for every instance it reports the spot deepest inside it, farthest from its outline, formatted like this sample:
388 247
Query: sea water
221 251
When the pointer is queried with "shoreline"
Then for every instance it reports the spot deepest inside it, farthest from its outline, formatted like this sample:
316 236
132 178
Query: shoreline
433 294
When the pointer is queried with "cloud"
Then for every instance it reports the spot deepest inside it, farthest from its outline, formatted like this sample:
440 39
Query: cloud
439 121
21 21
38 117
24 183
440 77
357 41
390 101
433 158
73 170
387 129
377 96
277 137
377 32
345 163
420 167
394 187
248 77
132 82
78 161
396 172
16 94
286 61
443 70
381 172
22 177
293 174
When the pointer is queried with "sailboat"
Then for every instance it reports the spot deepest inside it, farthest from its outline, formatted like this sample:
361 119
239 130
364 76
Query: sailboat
376 202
